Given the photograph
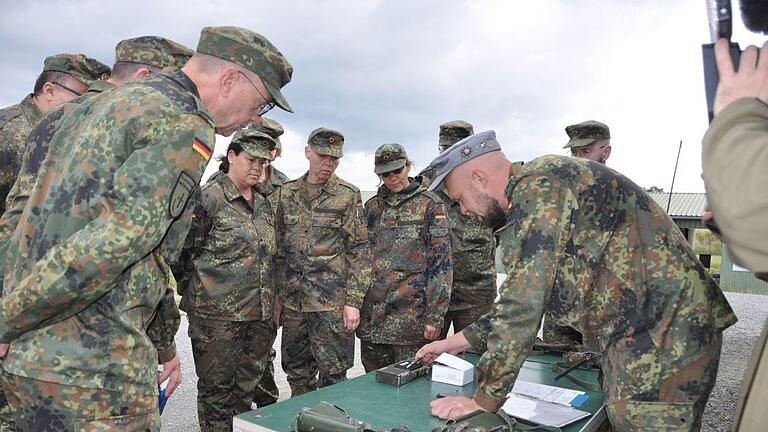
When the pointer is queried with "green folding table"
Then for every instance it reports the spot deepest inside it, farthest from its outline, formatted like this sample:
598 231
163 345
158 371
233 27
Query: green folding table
384 406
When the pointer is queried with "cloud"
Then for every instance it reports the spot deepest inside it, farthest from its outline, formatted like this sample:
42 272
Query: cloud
393 71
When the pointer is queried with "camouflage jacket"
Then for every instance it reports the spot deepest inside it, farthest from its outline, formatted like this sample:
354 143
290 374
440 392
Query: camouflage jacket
277 177
593 248
15 124
34 152
411 255
231 255
270 187
84 312
323 255
474 253
473 249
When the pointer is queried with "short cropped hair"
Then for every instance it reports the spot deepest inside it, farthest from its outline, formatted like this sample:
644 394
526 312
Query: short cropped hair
49 76
122 71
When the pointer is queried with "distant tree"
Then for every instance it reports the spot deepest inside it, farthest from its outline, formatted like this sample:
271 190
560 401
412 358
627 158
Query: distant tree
654 189
706 243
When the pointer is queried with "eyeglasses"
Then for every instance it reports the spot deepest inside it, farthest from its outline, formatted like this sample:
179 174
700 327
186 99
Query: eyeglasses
265 107
393 172
584 152
67 88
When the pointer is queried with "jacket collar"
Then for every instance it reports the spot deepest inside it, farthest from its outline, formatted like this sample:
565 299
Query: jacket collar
331 186
29 110
228 186
414 188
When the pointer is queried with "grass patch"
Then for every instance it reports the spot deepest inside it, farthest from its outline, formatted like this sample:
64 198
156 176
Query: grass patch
714 263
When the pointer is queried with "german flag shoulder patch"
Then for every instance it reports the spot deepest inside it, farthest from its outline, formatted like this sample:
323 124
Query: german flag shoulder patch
202 148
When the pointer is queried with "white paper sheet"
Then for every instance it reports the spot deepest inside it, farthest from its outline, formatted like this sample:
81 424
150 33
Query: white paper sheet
546 393
540 412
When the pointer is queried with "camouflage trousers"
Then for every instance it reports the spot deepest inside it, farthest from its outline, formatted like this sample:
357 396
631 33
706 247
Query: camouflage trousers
462 318
267 392
641 395
45 406
376 356
316 352
7 424
229 358
554 333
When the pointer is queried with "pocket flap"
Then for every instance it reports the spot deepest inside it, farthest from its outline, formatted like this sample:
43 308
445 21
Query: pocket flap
407 232
661 415
326 222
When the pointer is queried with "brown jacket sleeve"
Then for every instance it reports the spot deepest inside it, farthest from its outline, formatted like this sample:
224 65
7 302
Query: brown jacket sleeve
735 163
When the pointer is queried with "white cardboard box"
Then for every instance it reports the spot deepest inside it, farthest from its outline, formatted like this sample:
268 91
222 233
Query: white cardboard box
450 369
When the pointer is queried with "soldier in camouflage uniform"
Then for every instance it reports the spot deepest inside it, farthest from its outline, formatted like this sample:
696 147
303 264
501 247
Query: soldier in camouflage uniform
230 295
591 246
64 77
273 175
473 246
589 140
267 392
86 302
411 255
157 52
325 262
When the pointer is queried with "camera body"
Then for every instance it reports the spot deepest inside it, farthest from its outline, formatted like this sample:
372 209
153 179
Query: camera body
720 27
711 77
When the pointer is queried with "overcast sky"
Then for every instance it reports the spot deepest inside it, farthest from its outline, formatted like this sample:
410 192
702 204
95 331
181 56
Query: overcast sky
393 71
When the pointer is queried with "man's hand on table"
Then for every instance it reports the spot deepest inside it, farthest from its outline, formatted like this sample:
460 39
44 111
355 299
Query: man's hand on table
453 406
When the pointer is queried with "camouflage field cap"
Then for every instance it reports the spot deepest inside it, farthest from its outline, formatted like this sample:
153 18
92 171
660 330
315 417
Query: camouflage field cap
326 141
454 131
154 51
389 157
252 51
273 129
463 151
586 133
80 66
255 142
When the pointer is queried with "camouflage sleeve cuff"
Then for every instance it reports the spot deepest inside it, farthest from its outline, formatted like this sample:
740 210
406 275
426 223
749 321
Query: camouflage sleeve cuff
435 321
7 334
477 335
166 355
353 301
487 402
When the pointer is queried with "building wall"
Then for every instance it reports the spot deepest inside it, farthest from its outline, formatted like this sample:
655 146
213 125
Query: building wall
739 281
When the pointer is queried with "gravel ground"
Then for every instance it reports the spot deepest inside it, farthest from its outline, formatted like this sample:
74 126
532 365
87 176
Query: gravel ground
738 342
180 413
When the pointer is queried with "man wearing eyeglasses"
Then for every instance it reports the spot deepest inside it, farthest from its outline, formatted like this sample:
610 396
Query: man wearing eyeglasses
64 77
135 58
589 140
324 267
85 306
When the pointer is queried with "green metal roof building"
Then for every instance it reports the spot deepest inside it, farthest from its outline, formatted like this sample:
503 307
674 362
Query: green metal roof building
686 210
